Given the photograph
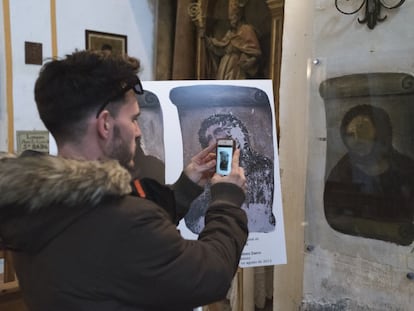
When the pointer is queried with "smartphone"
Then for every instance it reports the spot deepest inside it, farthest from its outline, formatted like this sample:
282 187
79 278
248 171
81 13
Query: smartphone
225 149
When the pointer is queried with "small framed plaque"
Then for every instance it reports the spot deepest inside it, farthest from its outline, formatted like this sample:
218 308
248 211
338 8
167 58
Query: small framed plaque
104 41
33 53
32 140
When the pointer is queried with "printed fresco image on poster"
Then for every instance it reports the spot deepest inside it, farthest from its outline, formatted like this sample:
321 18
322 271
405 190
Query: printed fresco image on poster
150 153
211 112
196 114
369 186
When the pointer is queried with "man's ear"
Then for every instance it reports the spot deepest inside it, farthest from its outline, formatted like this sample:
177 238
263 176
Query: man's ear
103 124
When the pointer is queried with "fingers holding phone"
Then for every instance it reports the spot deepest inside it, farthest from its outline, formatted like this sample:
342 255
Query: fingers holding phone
202 166
228 168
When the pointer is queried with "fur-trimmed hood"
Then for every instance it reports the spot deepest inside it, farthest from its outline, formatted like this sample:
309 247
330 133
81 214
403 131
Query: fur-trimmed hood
40 192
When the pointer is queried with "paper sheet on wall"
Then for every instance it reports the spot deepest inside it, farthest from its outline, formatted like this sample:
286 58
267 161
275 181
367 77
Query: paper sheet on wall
192 112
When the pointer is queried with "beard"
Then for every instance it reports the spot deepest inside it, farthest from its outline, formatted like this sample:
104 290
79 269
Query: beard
120 150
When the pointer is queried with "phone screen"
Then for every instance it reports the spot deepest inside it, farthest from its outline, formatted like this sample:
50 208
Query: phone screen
224 156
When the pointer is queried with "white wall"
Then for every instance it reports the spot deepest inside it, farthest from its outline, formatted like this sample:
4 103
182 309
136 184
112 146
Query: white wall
31 21
128 17
33 27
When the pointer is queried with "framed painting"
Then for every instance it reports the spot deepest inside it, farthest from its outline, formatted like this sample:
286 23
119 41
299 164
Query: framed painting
111 42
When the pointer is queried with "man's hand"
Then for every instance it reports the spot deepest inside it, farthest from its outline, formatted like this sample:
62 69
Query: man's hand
236 175
202 166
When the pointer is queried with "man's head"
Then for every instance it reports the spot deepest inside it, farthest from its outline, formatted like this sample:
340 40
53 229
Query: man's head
365 130
234 12
90 96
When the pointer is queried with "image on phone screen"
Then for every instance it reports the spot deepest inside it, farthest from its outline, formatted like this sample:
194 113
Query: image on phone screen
224 159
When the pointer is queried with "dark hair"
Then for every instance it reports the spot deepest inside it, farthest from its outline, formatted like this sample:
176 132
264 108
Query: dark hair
70 90
221 120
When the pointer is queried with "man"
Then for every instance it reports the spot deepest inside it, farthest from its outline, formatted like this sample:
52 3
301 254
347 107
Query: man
79 240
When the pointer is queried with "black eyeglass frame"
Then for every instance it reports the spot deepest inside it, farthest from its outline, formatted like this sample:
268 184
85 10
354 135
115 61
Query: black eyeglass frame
136 87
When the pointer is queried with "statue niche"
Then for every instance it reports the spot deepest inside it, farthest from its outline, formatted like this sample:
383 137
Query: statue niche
233 38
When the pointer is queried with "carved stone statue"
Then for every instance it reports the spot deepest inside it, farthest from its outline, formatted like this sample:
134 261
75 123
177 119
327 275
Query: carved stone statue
236 55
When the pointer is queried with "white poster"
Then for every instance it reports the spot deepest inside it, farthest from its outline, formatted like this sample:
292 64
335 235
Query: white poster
181 117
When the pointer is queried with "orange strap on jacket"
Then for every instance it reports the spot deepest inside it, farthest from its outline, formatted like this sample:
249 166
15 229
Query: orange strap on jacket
139 189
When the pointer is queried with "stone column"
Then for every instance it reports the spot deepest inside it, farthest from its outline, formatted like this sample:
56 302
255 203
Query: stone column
184 45
165 39
276 10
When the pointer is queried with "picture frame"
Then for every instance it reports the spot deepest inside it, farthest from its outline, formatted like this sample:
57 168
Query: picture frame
114 43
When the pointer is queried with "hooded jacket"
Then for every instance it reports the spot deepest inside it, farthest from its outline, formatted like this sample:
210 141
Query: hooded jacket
81 241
